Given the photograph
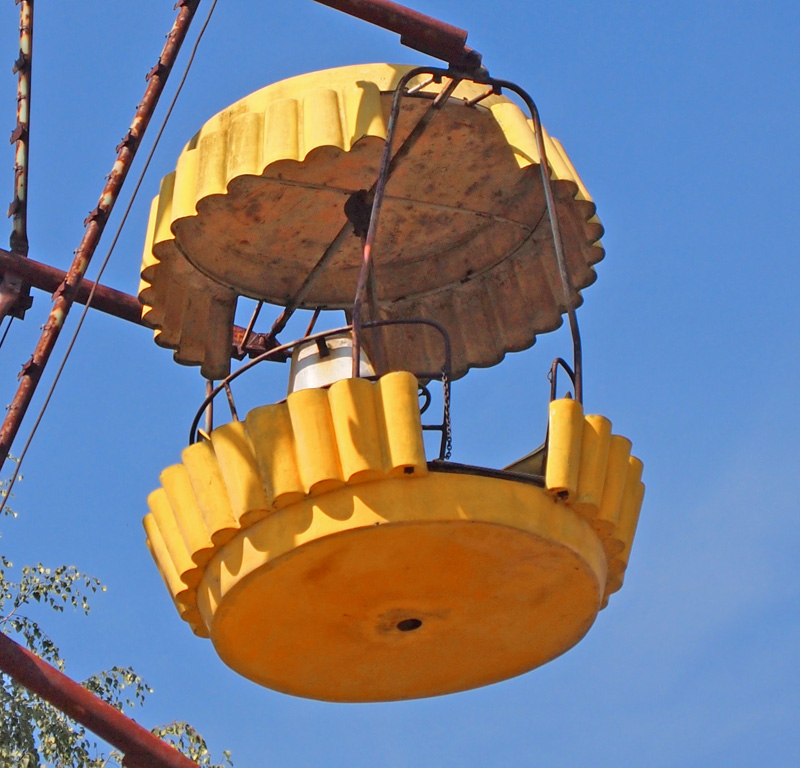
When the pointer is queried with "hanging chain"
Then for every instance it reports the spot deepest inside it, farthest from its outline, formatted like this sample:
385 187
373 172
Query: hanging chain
447 437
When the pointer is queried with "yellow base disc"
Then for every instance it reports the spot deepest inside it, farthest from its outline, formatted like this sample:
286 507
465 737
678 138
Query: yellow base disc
402 589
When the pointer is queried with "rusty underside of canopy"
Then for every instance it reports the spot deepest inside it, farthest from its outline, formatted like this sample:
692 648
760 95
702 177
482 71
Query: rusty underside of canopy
464 239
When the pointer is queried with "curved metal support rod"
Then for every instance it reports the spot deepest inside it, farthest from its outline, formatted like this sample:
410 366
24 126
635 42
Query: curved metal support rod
225 383
209 410
496 86
552 375
231 403
566 280
388 164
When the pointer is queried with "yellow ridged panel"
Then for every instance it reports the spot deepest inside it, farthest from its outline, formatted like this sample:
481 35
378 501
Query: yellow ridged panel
148 259
270 431
211 165
239 468
194 327
147 298
518 133
583 193
612 546
613 584
619 453
158 230
628 510
146 293
322 124
193 618
355 423
280 134
315 441
171 322
181 594
184 197
185 605
148 313
594 458
631 506
218 335
181 497
164 518
559 169
210 491
564 447
244 143
398 400
362 106
616 573
166 191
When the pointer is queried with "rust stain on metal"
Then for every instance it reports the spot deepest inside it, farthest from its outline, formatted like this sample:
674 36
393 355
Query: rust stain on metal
14 294
109 300
94 229
418 31
140 747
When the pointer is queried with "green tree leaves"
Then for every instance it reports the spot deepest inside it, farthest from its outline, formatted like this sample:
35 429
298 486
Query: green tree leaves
36 734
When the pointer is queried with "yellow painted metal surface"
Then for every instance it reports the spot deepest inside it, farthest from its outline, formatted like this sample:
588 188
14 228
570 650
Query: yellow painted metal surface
584 454
564 440
318 459
205 478
595 442
272 437
258 194
355 424
496 577
355 573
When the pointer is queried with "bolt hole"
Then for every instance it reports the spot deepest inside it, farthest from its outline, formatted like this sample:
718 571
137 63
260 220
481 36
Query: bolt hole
409 625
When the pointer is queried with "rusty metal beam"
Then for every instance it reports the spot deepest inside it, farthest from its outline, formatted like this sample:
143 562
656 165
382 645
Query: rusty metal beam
47 278
109 300
95 224
423 33
140 747
14 295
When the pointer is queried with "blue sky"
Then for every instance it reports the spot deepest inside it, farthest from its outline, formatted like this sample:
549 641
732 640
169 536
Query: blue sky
682 119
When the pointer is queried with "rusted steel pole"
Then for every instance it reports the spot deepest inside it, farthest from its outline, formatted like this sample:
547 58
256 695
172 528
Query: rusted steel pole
108 300
423 33
140 747
48 278
95 223
13 293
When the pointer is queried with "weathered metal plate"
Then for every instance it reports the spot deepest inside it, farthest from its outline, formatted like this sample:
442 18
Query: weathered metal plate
464 239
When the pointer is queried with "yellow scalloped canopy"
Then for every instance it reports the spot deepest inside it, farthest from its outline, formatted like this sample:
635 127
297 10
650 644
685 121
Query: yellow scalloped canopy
258 195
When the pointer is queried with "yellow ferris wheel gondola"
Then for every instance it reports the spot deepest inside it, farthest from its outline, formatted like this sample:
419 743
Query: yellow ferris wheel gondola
313 541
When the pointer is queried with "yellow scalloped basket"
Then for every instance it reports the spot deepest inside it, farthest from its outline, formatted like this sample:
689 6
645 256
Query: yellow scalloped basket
258 196
325 558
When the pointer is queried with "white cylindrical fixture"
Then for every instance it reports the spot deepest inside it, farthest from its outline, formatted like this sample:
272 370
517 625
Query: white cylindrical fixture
320 363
